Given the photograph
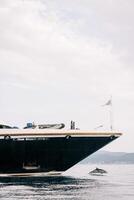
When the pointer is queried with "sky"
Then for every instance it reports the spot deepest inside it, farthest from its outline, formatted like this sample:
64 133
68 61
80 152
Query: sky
61 60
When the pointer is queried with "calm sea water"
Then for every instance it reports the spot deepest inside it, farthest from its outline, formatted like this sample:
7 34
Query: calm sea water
74 184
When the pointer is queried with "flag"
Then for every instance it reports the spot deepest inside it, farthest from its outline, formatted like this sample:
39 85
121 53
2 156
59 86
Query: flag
108 103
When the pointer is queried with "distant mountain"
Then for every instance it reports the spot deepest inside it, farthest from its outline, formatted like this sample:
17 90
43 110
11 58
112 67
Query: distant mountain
105 157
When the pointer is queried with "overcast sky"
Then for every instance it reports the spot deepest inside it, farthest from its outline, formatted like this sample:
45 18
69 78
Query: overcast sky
60 60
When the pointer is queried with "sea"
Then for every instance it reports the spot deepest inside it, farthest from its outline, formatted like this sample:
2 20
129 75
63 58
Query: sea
74 184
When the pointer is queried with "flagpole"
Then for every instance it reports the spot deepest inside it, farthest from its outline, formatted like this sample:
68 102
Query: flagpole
110 104
111 114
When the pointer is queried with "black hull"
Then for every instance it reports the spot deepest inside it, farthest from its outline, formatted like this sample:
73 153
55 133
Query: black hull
45 154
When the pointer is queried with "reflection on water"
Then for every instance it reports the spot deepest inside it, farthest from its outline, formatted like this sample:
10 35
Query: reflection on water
116 185
50 187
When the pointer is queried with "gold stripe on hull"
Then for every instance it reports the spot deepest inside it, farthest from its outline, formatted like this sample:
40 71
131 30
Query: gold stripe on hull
57 133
